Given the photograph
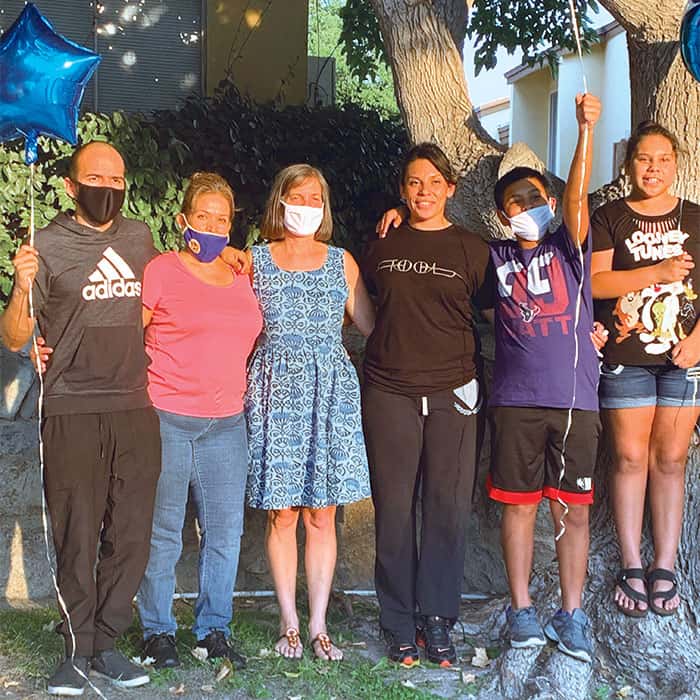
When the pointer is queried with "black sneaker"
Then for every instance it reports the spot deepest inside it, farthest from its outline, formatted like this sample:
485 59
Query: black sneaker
117 669
434 637
70 677
161 648
218 647
401 651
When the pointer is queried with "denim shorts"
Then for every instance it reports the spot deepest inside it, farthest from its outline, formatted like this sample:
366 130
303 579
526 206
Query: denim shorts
630 386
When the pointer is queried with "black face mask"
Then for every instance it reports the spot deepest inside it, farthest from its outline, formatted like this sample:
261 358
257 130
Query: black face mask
100 204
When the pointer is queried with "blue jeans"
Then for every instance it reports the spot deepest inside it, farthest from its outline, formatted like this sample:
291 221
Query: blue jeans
210 457
632 386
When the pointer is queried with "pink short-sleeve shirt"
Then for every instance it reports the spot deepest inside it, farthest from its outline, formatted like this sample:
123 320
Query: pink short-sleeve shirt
198 340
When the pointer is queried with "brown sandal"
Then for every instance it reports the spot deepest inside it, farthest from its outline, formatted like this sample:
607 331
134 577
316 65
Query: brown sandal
292 637
326 644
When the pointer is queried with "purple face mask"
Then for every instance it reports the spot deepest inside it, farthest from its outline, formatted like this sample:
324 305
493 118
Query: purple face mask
205 246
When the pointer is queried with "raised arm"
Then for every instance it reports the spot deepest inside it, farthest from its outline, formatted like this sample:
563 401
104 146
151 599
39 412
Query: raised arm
16 325
359 306
575 199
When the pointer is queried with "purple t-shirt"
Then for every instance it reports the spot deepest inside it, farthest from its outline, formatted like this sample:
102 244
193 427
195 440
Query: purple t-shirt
535 312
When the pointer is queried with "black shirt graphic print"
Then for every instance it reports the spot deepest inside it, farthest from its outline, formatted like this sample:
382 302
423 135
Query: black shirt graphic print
644 324
424 282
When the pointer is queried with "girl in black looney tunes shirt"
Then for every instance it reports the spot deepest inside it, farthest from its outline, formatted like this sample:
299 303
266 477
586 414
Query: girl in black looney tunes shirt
647 285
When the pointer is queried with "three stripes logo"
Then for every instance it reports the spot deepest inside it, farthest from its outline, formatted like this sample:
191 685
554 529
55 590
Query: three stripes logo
112 278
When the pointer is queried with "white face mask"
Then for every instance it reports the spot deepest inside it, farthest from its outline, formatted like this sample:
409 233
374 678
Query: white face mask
531 225
301 220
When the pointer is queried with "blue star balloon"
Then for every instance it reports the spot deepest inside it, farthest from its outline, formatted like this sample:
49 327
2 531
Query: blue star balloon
42 79
690 38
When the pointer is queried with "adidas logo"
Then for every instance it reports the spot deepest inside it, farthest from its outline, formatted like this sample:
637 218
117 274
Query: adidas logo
112 278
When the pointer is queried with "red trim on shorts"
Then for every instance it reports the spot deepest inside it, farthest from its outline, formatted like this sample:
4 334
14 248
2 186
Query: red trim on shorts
518 498
577 499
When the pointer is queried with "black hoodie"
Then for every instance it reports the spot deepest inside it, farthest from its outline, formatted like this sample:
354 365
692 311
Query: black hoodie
87 298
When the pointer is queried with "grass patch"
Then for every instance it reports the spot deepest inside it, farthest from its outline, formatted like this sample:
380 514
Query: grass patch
28 640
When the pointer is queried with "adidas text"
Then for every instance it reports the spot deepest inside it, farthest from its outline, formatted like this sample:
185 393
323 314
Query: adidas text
111 289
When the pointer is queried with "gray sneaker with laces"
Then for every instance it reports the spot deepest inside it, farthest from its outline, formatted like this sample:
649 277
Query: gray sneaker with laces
117 669
572 634
525 629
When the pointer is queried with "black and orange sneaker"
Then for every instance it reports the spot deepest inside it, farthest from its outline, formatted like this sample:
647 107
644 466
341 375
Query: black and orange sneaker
403 652
433 635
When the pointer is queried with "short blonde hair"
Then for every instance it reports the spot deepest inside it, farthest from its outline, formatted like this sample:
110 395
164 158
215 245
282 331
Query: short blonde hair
272 227
207 183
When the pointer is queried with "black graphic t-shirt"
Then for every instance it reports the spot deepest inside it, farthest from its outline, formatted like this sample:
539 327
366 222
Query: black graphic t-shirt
423 340
645 324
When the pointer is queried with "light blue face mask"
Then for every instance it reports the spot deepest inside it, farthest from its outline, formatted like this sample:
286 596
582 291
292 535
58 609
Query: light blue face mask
205 246
532 224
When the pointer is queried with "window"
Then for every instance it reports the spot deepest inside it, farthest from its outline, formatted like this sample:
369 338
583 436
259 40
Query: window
151 51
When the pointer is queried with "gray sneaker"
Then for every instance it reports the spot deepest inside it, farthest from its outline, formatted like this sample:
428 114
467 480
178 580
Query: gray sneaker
70 677
115 667
525 629
572 633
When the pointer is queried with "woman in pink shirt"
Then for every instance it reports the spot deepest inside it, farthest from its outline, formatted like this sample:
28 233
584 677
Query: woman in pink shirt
201 323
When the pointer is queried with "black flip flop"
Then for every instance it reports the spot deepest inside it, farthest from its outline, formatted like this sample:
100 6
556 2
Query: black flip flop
636 596
661 575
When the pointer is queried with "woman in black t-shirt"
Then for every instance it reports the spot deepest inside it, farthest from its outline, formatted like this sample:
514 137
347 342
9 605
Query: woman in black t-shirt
647 287
420 403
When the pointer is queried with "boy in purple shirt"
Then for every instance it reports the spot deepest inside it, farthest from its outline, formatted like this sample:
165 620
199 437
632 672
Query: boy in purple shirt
545 365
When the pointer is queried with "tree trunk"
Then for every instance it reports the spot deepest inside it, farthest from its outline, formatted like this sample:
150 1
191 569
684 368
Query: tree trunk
661 88
433 98
659 657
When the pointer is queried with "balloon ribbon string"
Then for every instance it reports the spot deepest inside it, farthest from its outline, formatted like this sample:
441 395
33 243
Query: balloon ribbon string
579 293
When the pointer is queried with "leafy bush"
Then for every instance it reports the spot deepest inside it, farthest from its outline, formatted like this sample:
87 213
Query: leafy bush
244 142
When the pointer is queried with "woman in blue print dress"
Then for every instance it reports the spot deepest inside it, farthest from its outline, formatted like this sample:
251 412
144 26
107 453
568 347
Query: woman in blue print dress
303 403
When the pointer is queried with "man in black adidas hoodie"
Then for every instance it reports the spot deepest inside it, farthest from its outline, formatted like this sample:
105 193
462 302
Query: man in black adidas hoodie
101 435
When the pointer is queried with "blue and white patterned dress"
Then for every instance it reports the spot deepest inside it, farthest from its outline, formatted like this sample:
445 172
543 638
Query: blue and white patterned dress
303 400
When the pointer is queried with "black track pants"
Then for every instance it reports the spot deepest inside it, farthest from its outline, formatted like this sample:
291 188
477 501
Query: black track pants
101 475
419 447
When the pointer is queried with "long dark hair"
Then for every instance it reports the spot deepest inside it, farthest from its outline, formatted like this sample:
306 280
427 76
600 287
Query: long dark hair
433 153
649 128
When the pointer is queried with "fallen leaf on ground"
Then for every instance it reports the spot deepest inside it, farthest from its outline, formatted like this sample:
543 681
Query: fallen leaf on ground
294 697
200 653
408 684
179 690
225 669
292 674
468 678
207 688
480 658
624 692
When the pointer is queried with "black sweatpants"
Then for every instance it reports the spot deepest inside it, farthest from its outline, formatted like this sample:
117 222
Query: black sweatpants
100 481
425 447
